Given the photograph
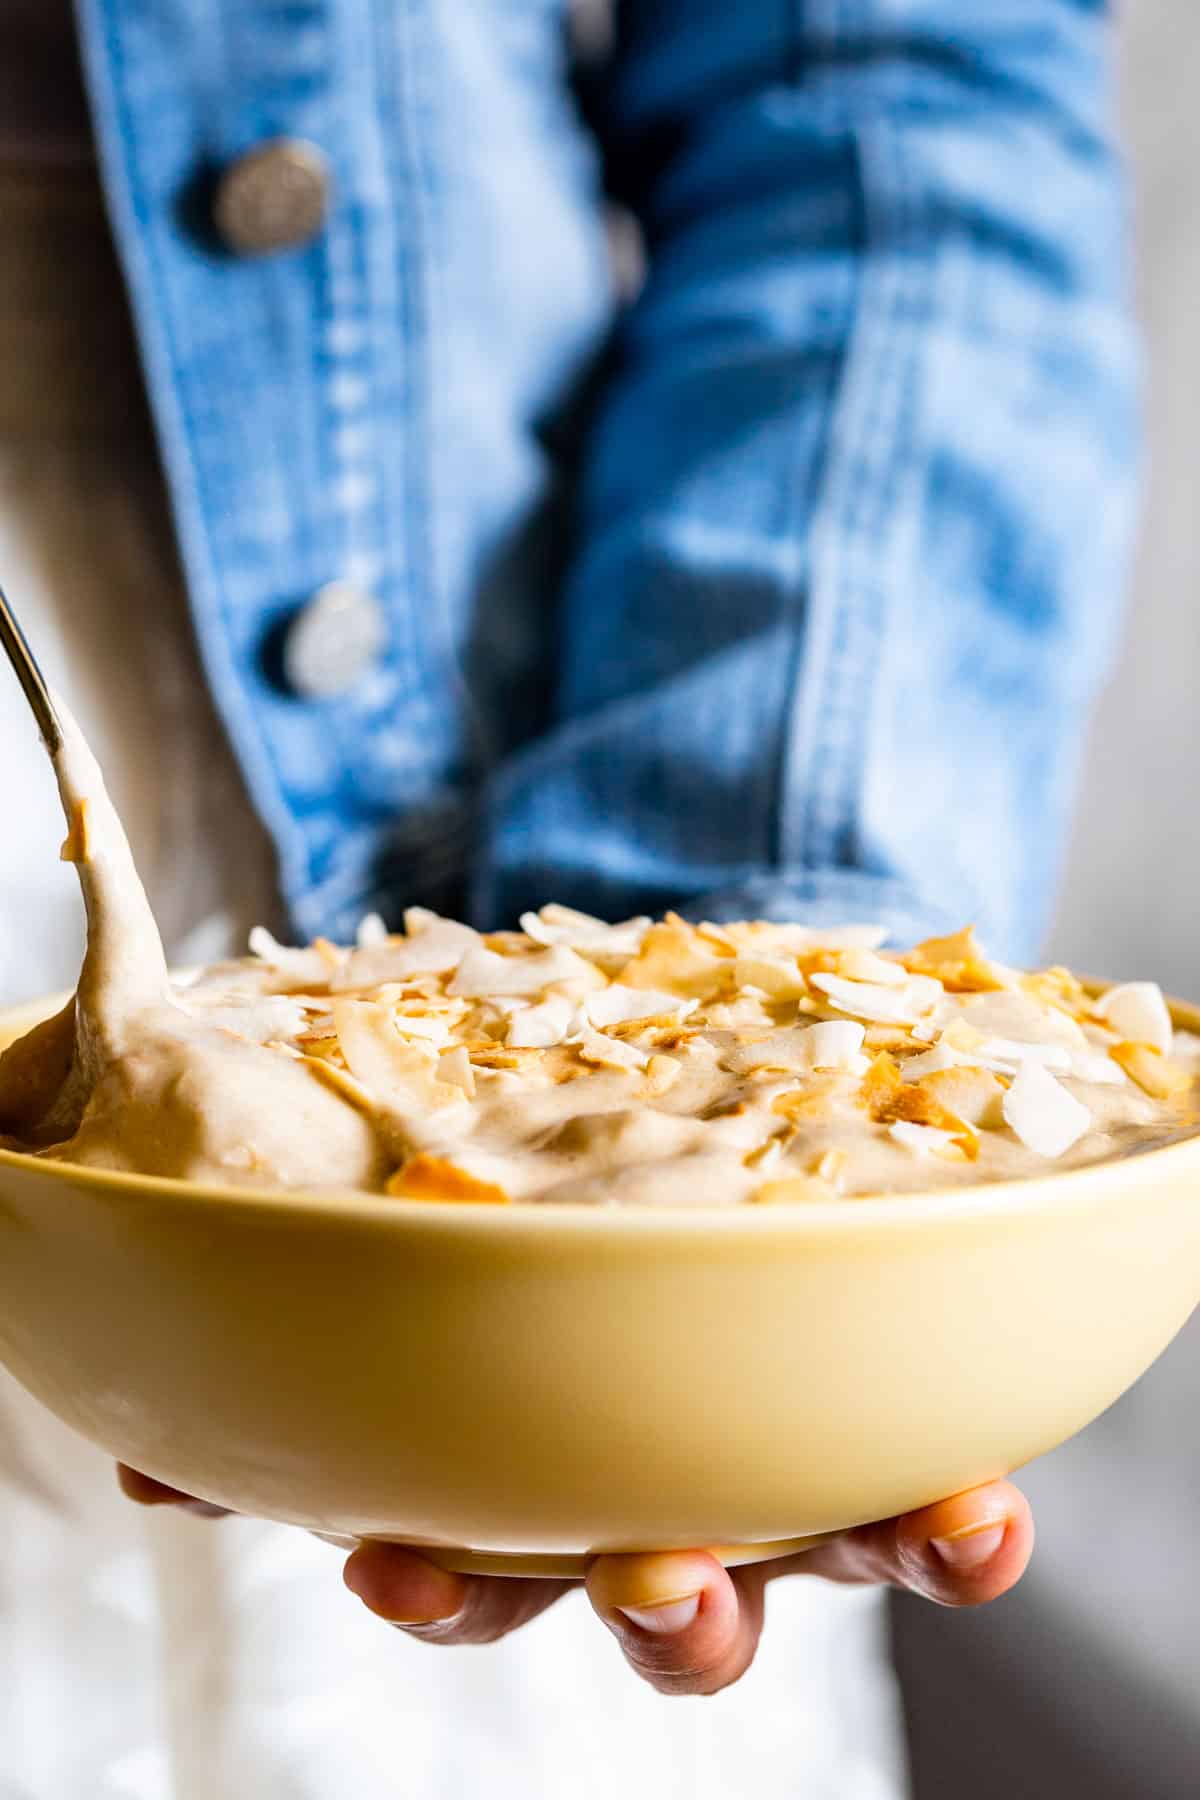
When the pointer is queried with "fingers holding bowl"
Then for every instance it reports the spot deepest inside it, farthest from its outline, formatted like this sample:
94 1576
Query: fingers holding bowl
689 1626
964 1551
438 1606
145 1491
684 1622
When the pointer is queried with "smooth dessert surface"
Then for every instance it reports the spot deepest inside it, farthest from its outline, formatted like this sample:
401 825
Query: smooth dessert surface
644 1063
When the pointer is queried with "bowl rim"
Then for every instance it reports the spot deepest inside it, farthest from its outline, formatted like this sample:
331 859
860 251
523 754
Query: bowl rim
1080 1185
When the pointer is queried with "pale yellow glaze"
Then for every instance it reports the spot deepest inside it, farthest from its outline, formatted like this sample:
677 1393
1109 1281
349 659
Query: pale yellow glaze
537 1383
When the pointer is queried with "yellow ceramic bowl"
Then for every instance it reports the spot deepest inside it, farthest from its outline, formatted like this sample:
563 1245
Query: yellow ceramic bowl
518 1387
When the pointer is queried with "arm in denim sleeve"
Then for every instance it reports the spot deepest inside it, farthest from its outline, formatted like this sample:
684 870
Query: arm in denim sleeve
856 507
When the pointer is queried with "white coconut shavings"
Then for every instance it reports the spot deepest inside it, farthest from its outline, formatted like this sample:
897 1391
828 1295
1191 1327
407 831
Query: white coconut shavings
1017 1017
580 931
864 965
1006 1055
454 1067
483 972
1099 1068
933 1062
298 965
260 1017
540 1026
437 946
1138 1012
371 932
877 1004
618 1005
799 939
1040 1111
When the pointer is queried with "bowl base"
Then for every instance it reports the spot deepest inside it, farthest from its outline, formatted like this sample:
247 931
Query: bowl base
555 1566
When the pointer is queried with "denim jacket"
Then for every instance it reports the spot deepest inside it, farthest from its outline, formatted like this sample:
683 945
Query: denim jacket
782 590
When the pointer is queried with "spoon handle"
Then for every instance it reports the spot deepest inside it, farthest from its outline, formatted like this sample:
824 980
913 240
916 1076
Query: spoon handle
33 682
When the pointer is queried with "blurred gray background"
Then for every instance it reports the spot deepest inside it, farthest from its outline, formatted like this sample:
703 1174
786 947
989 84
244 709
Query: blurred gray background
1086 1682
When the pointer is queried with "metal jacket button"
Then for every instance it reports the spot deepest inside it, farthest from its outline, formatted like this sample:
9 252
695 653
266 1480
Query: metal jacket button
333 641
276 197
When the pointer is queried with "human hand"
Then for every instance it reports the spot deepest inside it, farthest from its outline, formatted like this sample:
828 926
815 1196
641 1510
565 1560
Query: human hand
684 1623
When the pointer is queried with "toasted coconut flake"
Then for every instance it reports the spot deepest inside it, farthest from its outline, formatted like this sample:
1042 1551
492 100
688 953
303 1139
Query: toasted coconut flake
262 1018
343 1084
880 1005
493 1056
881 1083
427 1177
830 1166
1156 1074
915 1104
1055 987
674 959
397 1073
540 1026
753 936
922 1140
833 1044
662 1072
766 1154
815 1100
959 946
779 976
1019 1018
958 1035
889 1037
1042 1114
620 1005
431 1027
580 931
865 965
297 965
974 1096
437 946
932 1062
959 963
793 1190
1138 1013
76 847
606 1052
483 973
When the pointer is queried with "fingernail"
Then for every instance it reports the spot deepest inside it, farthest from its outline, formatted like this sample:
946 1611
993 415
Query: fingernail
664 1621
971 1547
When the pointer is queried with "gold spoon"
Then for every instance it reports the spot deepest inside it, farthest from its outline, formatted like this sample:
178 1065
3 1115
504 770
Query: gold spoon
33 682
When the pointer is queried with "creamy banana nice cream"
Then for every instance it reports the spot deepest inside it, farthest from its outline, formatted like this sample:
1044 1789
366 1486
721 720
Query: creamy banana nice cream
647 1063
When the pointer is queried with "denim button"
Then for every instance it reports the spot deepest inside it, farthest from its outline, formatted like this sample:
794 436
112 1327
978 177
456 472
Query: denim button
333 641
276 197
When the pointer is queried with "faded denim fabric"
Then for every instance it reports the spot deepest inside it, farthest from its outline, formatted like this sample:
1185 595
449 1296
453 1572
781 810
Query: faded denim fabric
851 481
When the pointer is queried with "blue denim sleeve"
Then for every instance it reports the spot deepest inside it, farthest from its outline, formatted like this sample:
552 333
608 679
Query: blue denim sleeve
855 513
